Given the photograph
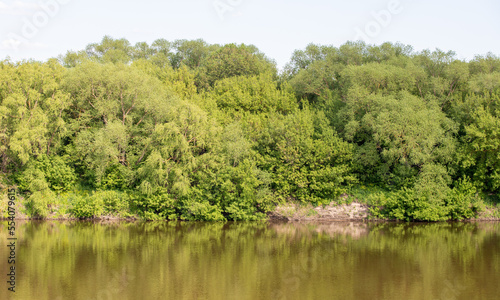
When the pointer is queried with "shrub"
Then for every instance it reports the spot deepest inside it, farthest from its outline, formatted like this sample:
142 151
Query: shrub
86 206
407 205
308 161
238 192
114 202
158 206
45 171
40 203
463 201
116 177
202 211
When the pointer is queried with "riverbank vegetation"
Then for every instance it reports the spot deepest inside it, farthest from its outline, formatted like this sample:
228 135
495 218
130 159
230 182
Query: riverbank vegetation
193 131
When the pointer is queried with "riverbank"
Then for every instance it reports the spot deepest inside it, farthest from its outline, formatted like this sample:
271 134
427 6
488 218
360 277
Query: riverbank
333 212
354 211
290 212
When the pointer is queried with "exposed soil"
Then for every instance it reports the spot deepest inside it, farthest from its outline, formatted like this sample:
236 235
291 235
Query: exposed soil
354 211
332 212
489 214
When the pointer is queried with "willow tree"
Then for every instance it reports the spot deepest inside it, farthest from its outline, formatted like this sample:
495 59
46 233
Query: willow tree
253 94
115 108
307 161
396 135
32 111
232 60
111 50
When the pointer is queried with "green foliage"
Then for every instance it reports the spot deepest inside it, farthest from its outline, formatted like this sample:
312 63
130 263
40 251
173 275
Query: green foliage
47 172
483 137
232 60
40 203
114 202
117 176
188 130
316 80
110 50
408 205
33 180
367 194
307 160
463 201
256 94
201 211
159 206
381 78
86 206
32 110
242 192
395 135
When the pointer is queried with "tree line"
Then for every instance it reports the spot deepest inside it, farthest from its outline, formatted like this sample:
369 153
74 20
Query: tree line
195 131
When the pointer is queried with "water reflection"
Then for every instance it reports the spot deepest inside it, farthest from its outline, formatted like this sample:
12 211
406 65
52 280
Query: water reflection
158 260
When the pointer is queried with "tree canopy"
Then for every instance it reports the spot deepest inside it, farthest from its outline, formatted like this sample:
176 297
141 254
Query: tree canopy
196 131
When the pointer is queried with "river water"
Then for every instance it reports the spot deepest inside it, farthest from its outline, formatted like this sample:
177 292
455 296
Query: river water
175 260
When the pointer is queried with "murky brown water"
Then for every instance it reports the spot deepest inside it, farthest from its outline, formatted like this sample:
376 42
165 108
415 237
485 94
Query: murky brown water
80 260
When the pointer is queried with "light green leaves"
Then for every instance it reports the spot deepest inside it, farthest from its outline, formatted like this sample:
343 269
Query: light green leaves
31 110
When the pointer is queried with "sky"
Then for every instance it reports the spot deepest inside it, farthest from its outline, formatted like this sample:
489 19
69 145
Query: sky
41 29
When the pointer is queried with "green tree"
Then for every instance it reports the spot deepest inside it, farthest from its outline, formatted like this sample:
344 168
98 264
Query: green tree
254 94
190 53
308 162
111 50
396 135
116 107
32 111
232 60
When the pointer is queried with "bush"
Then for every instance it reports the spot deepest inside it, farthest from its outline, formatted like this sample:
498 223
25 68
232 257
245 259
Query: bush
86 206
158 206
308 162
238 192
116 177
244 212
202 211
114 202
407 205
243 193
45 171
40 203
463 201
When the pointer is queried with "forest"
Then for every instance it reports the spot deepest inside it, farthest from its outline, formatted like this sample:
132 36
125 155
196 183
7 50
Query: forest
187 130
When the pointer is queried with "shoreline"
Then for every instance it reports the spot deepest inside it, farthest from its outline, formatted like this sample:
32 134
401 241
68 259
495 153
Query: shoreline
294 213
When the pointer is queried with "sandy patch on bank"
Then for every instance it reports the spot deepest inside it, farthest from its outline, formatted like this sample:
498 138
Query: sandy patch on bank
333 212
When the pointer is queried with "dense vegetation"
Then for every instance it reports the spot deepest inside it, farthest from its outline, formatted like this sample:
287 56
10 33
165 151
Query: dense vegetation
193 131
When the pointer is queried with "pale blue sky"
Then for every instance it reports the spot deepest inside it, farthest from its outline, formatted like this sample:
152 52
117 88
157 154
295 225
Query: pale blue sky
276 27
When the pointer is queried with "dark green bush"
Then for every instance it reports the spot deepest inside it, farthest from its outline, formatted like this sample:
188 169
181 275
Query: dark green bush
116 176
40 204
158 206
406 205
201 211
114 202
308 162
86 206
463 201
54 170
